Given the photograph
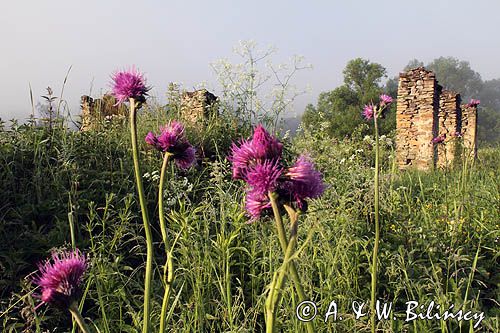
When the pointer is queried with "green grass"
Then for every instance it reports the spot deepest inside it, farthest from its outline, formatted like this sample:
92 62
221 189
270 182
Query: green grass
440 235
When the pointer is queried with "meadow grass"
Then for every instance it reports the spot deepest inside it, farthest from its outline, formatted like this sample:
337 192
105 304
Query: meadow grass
440 233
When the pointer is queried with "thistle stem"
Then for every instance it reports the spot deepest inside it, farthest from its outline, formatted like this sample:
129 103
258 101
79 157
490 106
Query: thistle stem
377 231
73 309
145 220
284 245
168 271
279 278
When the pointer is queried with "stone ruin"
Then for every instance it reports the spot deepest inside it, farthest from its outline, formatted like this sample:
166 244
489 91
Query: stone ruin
95 111
197 105
425 111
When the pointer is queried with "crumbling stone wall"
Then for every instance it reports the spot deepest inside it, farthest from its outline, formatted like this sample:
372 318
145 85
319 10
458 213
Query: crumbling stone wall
416 118
449 124
95 111
197 105
469 130
425 111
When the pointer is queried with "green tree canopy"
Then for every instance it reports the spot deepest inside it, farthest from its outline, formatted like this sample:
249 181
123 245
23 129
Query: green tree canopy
339 111
457 75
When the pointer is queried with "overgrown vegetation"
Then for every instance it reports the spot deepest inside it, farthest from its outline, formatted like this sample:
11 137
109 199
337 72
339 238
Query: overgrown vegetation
440 231
363 82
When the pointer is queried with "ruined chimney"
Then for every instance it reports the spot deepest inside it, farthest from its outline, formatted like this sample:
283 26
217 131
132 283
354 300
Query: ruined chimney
196 105
417 118
449 124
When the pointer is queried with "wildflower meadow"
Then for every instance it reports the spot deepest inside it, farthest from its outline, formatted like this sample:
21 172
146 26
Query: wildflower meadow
155 223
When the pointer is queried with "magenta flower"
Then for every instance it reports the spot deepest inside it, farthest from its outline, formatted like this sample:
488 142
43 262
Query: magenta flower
60 278
385 99
305 181
473 103
129 84
438 139
266 146
258 163
172 140
261 147
263 177
368 111
256 204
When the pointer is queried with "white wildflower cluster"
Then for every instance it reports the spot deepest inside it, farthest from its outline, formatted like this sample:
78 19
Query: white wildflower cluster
178 188
152 177
243 85
384 141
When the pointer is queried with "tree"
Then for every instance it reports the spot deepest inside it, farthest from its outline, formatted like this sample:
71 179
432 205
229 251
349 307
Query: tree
457 75
339 111
414 63
363 76
490 94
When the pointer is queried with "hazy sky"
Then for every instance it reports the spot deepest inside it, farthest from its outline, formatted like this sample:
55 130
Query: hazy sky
177 40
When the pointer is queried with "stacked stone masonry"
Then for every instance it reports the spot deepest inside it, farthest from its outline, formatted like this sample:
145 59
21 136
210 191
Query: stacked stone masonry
449 125
196 105
469 130
95 111
426 111
416 114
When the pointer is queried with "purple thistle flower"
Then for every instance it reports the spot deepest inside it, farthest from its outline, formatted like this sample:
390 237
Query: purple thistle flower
265 145
152 140
129 84
305 181
368 111
261 147
385 99
256 203
438 139
263 177
242 157
473 103
185 157
170 135
171 139
60 278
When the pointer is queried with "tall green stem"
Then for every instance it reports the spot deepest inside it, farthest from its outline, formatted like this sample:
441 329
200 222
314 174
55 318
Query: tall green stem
145 219
278 279
168 271
73 309
377 231
284 245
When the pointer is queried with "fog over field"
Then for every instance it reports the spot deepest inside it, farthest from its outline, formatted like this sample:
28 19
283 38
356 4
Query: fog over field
177 41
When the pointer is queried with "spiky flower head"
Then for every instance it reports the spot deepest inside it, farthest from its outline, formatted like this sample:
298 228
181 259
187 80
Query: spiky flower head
129 84
305 182
258 162
473 103
368 111
439 139
59 277
385 99
249 153
266 145
172 140
256 203
263 177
